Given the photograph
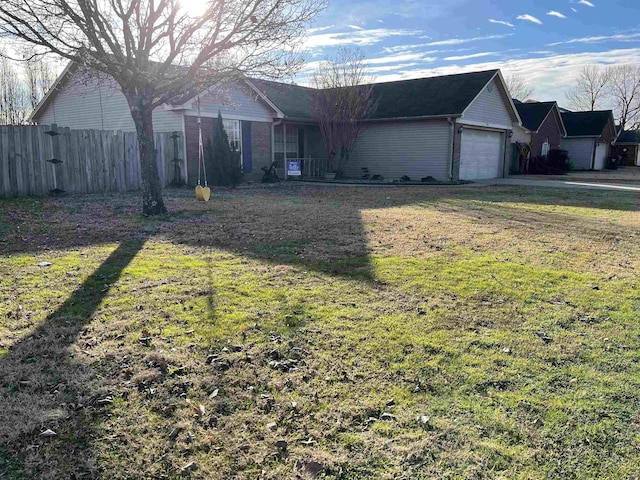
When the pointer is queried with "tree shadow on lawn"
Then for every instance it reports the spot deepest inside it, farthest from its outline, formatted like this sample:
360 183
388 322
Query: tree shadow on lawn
319 230
43 387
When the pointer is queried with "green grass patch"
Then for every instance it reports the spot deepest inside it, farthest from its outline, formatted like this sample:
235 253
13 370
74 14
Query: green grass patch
410 333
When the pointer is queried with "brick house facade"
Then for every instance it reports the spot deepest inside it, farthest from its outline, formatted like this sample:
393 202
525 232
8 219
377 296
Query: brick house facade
550 131
258 133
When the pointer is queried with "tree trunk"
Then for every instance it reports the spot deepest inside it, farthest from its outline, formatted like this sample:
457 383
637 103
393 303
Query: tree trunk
142 113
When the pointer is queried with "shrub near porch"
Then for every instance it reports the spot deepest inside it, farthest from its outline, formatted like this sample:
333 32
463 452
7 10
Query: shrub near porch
380 333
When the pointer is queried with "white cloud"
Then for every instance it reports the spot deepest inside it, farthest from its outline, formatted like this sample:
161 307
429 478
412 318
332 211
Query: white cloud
459 41
408 48
553 13
622 37
406 57
550 76
359 38
467 57
586 3
355 27
312 31
502 22
529 18
574 10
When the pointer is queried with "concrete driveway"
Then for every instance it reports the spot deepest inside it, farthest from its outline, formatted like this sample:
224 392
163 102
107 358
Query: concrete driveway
534 182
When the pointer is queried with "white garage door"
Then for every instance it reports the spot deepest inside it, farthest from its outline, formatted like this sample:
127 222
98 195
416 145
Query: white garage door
481 155
601 156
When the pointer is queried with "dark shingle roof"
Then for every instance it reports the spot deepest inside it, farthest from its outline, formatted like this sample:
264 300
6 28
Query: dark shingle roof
629 136
292 100
533 114
427 97
423 97
586 124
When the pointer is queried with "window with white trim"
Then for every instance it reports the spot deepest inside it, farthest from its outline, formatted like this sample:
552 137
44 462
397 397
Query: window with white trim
234 132
545 147
292 144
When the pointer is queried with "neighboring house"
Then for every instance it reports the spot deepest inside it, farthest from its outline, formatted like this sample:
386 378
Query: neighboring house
452 127
589 138
627 146
542 126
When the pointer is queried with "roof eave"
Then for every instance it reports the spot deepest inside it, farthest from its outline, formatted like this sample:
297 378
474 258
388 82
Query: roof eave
263 96
50 95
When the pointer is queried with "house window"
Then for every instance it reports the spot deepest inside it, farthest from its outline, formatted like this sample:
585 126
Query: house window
292 144
545 147
234 132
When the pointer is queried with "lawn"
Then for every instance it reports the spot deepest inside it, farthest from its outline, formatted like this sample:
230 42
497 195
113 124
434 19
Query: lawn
350 333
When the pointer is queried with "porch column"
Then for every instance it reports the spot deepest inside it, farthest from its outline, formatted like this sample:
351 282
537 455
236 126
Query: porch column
284 137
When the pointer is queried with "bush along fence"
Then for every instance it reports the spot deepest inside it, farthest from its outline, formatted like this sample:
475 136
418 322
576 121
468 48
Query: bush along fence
43 160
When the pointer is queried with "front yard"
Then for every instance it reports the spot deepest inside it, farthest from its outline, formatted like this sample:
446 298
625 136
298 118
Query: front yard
349 333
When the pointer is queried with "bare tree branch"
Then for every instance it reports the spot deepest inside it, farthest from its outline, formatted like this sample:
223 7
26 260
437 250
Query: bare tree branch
624 90
156 51
342 100
590 91
518 87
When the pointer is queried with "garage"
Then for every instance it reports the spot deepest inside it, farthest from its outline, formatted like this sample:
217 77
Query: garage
481 155
602 152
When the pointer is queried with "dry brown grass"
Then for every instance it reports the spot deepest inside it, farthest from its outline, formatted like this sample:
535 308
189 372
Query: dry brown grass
319 306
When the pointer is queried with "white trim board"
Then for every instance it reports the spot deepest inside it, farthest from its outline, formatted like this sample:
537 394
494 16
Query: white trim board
472 123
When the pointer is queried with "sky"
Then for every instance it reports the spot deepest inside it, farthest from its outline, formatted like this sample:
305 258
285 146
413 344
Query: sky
547 42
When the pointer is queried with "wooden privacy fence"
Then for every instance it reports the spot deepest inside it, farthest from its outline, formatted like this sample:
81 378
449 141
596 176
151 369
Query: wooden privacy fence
91 161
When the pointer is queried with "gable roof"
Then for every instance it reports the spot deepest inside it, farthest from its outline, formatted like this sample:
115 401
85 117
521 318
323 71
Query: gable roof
587 124
445 96
534 114
69 70
294 101
629 137
449 95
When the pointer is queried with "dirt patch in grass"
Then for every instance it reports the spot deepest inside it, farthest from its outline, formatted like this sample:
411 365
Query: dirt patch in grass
301 331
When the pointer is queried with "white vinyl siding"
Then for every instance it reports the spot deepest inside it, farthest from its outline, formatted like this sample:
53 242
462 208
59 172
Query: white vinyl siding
580 151
416 149
602 152
101 106
233 102
520 135
481 155
490 109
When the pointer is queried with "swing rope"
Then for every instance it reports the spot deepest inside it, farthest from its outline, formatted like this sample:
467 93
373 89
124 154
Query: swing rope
202 166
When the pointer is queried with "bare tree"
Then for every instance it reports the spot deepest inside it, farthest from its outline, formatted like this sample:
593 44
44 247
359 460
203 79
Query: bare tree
13 94
159 50
39 75
590 91
342 99
624 90
518 87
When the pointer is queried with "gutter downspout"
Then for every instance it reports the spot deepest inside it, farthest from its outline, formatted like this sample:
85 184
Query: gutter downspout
451 146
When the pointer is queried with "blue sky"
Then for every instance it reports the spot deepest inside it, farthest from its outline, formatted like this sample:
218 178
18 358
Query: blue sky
545 41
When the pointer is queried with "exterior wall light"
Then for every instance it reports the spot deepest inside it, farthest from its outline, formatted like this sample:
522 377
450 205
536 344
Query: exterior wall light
461 129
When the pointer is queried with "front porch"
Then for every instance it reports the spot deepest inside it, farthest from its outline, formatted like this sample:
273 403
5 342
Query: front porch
299 142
